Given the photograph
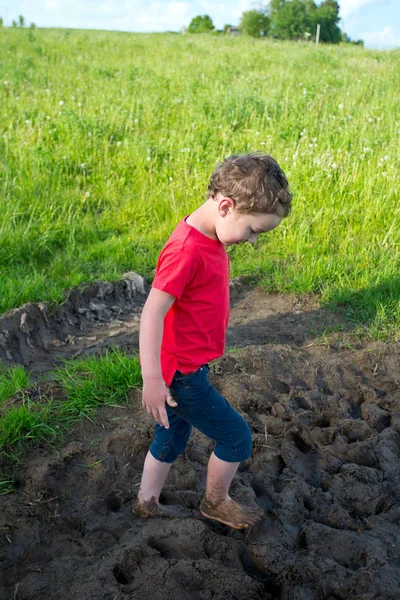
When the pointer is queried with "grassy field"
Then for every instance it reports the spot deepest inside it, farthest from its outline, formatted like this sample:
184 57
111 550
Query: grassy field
108 139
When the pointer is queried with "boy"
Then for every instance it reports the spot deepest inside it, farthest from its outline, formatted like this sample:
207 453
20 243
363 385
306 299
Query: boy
183 327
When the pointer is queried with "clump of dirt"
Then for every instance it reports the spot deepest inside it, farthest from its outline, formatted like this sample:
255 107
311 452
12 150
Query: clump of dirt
91 316
325 468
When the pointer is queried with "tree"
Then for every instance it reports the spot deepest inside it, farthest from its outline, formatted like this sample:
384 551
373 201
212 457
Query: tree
255 23
346 39
327 15
1 22
21 21
201 24
290 19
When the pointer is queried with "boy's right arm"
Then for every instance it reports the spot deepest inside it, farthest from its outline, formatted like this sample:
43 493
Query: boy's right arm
155 392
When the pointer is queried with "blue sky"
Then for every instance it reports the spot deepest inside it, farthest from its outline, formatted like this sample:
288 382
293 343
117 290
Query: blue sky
377 22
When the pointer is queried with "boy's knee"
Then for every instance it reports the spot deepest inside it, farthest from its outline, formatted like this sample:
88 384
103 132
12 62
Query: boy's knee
168 444
237 449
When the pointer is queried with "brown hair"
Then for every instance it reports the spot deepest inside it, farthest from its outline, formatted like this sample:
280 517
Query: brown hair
255 182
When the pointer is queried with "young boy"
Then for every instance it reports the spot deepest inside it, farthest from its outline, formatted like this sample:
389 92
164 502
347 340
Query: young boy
183 328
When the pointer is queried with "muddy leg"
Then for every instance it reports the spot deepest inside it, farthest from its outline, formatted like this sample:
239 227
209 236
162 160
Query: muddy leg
218 505
147 505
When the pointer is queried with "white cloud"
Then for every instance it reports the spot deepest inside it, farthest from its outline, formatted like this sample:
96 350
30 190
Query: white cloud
51 4
349 7
386 38
161 16
241 7
105 8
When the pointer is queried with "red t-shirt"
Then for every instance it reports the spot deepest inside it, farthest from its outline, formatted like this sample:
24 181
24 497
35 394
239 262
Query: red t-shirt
195 269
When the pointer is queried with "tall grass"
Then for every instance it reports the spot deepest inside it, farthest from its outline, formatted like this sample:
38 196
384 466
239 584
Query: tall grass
108 139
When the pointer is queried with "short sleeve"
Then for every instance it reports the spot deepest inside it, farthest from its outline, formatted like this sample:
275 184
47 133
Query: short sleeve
176 268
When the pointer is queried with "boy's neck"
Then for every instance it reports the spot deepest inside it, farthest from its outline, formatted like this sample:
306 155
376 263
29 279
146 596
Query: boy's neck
203 219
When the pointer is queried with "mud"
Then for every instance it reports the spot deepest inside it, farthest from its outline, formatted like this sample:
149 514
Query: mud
324 413
38 336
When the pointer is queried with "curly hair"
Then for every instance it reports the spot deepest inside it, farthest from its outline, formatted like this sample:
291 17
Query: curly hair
255 182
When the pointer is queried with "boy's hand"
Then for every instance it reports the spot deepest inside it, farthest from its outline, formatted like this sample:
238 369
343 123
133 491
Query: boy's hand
154 396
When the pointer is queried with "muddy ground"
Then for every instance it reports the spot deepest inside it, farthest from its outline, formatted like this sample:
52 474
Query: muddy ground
324 412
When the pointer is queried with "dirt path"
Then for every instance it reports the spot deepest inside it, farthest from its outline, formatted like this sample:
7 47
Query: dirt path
325 467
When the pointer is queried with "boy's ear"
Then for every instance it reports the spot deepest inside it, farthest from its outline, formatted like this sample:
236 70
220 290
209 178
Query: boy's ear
225 206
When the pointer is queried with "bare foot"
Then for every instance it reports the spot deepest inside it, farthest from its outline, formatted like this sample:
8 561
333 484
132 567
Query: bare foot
231 513
151 508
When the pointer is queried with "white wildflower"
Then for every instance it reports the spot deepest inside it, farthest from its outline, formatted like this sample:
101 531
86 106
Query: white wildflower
61 103
79 103
136 121
171 178
83 165
366 150
5 82
28 122
340 106
304 91
370 120
149 158
119 143
334 166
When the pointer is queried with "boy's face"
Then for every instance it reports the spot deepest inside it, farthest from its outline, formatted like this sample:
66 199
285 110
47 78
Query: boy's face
233 227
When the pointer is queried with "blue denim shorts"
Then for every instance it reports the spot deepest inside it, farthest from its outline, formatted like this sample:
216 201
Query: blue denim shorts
201 406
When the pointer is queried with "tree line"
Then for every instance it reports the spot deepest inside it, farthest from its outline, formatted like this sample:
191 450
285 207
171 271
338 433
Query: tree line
286 20
20 23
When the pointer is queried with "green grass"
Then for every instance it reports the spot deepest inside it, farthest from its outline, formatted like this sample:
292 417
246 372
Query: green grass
81 386
108 139
12 381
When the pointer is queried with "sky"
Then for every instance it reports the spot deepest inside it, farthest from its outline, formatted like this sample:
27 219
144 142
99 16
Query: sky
377 22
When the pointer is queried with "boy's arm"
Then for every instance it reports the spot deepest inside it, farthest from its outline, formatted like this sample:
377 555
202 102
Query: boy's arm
155 392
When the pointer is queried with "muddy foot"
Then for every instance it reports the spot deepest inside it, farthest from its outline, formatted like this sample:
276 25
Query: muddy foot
151 508
231 513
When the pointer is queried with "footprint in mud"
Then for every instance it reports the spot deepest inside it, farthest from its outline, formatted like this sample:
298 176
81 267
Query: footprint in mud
279 386
257 572
262 496
301 402
191 554
175 548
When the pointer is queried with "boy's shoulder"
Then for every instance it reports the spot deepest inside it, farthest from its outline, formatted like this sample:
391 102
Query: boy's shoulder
187 238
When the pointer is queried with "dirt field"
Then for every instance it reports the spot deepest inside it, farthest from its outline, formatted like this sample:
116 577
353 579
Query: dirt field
324 412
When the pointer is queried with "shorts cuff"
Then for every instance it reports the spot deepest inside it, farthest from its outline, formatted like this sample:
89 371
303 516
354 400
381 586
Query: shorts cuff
161 458
232 456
